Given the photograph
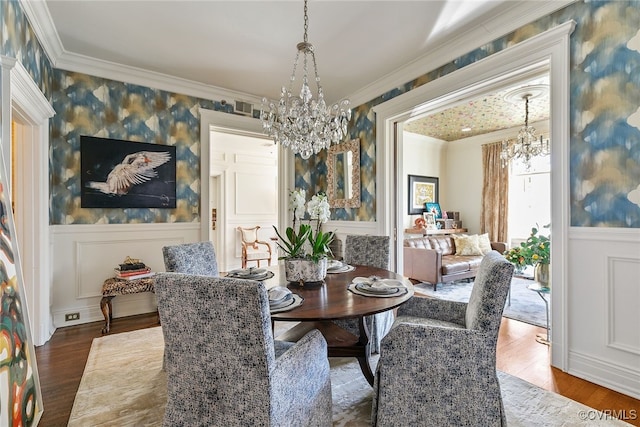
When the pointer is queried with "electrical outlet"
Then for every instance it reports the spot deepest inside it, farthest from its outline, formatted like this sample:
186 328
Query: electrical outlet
71 316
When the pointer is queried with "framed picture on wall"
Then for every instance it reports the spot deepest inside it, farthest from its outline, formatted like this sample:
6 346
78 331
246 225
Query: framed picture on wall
422 189
126 174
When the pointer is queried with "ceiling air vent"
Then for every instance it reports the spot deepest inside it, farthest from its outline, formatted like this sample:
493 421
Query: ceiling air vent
244 108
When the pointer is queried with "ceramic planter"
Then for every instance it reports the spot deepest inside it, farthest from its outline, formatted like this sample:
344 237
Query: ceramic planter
305 272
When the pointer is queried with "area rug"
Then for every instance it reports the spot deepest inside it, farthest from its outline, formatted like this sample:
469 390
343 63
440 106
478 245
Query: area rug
526 305
123 385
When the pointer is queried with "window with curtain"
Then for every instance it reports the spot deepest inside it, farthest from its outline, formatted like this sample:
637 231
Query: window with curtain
529 198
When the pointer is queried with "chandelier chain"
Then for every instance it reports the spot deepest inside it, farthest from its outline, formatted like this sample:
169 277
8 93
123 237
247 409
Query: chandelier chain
306 22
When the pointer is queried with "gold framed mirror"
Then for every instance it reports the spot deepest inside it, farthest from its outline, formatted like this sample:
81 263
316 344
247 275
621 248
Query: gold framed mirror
343 174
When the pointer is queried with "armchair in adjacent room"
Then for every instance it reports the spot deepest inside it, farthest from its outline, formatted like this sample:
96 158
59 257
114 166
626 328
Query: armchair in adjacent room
252 248
437 365
191 258
223 367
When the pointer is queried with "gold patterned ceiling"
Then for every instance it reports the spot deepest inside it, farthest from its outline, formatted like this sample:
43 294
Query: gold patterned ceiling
502 110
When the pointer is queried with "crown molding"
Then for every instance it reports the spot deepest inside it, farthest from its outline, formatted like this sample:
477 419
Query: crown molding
40 19
124 73
513 16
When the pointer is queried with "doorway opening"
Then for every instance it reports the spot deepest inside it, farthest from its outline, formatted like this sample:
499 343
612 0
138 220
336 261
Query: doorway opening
26 152
546 52
217 177
243 192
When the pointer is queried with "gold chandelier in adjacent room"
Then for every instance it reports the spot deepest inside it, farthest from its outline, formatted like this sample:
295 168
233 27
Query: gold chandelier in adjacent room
527 145
300 122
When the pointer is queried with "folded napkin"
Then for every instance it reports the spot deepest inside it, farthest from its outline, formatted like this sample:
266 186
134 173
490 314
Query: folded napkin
289 302
333 264
247 272
376 285
279 295
377 282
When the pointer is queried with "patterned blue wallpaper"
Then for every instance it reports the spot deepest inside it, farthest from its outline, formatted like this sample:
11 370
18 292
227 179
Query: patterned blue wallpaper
17 40
604 108
605 115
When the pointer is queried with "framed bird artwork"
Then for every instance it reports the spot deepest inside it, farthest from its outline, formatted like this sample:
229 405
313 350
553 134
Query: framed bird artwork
126 174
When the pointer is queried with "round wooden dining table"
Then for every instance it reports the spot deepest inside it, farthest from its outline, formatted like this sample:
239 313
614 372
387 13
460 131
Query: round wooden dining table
332 301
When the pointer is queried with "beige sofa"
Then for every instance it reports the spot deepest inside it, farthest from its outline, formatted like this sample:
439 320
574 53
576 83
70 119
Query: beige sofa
433 259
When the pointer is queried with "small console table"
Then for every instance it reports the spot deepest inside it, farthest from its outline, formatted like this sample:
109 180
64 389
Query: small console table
436 232
113 287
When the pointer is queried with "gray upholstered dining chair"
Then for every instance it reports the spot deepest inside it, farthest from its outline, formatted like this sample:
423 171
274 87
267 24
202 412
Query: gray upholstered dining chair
372 251
437 365
191 258
222 365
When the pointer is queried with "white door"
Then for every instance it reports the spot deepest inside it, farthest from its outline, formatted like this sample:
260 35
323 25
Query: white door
244 192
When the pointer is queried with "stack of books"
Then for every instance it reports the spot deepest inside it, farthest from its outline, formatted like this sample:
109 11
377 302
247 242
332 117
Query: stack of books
132 270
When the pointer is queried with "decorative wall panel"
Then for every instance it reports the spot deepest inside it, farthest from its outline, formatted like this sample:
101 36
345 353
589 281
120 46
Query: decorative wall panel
255 193
623 300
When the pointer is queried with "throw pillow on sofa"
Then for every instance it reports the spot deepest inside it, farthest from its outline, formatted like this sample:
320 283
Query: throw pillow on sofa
467 245
484 243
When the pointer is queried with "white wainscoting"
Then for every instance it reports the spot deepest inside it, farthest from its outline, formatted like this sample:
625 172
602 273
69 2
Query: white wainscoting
603 307
84 256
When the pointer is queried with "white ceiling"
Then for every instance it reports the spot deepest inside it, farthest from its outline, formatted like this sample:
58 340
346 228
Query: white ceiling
246 49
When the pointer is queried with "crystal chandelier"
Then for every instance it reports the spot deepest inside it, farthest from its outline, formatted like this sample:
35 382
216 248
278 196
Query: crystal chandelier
304 124
527 145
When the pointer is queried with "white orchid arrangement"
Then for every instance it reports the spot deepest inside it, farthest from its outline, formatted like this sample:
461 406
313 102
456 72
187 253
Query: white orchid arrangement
306 242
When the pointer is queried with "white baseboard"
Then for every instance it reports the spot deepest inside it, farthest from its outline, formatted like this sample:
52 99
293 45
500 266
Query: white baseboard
606 374
123 305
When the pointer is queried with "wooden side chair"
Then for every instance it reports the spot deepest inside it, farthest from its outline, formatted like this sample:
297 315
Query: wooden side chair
252 248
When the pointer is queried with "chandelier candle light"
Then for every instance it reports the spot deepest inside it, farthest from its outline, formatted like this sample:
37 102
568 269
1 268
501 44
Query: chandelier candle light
527 145
304 124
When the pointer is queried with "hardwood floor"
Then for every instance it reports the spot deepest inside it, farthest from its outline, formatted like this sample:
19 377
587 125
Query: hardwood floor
520 355
61 362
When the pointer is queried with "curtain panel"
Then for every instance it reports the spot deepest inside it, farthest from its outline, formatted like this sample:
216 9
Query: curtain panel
495 194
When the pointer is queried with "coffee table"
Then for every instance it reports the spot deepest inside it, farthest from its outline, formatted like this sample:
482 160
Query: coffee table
333 301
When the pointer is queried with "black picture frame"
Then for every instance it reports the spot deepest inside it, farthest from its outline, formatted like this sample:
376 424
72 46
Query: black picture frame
422 189
153 167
